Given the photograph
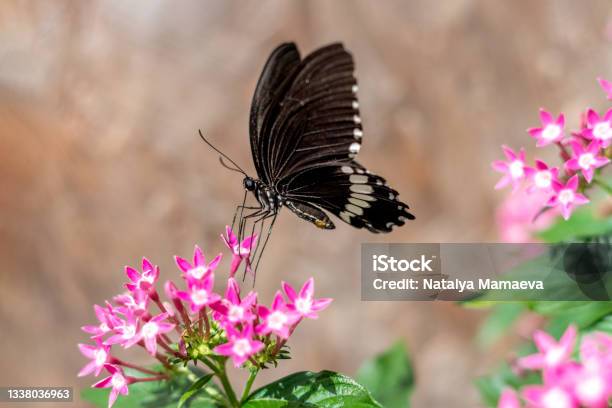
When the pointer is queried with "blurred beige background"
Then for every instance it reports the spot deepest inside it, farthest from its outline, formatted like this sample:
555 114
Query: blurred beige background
100 162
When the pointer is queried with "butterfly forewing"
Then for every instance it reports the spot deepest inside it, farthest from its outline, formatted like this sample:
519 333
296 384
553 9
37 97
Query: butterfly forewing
305 134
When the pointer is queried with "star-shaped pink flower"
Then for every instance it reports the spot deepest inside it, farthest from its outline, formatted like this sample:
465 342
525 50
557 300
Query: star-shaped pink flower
552 354
508 399
606 86
540 176
200 293
240 250
278 320
240 346
200 268
117 381
99 355
232 309
142 281
513 169
551 130
107 320
549 396
127 332
152 329
566 196
586 159
599 128
304 302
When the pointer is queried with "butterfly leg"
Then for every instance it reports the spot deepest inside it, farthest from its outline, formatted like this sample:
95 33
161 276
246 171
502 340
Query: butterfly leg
241 208
273 215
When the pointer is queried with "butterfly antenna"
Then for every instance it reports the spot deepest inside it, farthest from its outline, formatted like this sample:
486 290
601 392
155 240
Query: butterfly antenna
223 155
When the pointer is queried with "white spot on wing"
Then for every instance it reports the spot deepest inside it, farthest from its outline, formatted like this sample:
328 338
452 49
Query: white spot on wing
358 202
358 179
354 147
355 105
346 217
357 133
347 169
354 209
361 188
356 119
363 197
355 88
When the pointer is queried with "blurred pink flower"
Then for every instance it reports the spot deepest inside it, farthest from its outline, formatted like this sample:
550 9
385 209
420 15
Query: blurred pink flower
278 319
606 86
240 250
152 329
106 322
513 168
519 218
509 399
240 345
99 355
117 381
304 302
540 176
545 396
551 353
126 333
566 196
551 130
599 128
586 159
199 269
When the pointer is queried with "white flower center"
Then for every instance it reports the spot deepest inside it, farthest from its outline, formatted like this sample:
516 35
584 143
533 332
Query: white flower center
566 196
591 388
129 331
100 356
150 329
556 398
236 313
516 169
277 320
241 347
551 132
104 327
303 305
586 160
200 297
197 272
602 131
554 356
118 381
543 179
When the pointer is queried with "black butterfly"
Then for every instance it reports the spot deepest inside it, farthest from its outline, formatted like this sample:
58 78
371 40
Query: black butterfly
305 132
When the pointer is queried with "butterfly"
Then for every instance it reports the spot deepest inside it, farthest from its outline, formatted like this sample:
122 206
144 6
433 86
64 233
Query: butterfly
305 132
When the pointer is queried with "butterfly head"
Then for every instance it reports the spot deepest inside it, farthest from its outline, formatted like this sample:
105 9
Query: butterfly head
249 183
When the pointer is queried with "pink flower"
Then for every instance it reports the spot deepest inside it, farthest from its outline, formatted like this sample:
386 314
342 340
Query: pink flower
599 129
240 250
513 169
231 308
552 354
199 269
519 216
136 302
200 292
508 399
606 86
117 380
99 355
106 319
240 345
586 160
551 130
541 176
548 396
278 320
126 333
566 196
593 382
172 293
152 329
144 280
304 303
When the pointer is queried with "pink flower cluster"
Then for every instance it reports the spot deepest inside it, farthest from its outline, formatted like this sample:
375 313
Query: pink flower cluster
583 153
206 324
567 383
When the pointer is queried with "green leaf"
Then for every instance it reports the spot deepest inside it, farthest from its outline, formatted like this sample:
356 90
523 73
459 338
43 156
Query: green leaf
161 394
195 387
389 377
325 389
502 316
582 224
491 387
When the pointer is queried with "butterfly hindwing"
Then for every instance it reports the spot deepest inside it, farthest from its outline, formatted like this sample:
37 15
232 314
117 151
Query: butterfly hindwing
347 190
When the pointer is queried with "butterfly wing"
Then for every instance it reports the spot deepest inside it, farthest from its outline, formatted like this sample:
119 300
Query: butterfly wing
355 195
275 80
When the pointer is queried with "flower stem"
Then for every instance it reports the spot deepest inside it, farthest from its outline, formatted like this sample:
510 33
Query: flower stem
134 366
219 371
249 384
603 185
